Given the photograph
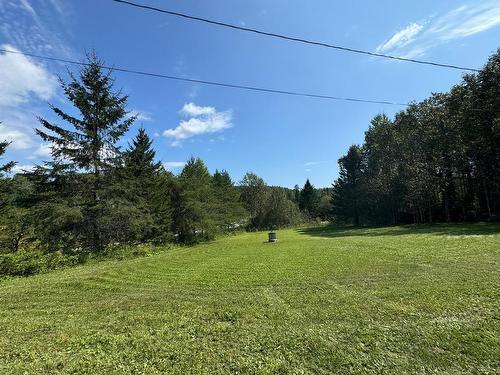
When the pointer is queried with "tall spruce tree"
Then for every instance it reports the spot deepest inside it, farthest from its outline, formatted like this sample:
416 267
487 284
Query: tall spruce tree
347 190
308 199
140 158
87 146
146 192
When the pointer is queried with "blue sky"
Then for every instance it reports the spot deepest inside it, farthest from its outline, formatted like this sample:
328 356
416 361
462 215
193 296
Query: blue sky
283 139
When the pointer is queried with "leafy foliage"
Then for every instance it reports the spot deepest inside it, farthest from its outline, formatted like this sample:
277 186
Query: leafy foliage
438 160
268 207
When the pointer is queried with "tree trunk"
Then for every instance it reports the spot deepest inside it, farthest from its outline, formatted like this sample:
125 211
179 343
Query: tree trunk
487 199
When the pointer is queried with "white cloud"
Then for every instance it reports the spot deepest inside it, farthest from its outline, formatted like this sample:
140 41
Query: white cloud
169 165
200 120
312 163
466 20
192 110
141 115
22 79
22 168
23 84
20 140
43 151
401 38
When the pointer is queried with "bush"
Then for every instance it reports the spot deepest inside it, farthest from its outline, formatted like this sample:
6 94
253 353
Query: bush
59 260
31 261
22 263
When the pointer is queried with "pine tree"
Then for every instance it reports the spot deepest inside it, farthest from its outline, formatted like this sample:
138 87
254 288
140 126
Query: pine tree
347 190
140 182
140 157
8 166
296 194
308 200
88 145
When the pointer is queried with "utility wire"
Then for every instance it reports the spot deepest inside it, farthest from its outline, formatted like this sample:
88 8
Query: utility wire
212 83
291 38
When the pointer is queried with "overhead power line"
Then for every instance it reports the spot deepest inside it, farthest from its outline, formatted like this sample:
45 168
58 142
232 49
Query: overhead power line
292 38
211 83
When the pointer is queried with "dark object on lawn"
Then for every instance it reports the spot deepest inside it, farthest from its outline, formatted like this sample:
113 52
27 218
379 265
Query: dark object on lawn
272 236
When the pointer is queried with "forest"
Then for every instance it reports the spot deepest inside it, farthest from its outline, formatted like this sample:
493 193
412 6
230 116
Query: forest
436 161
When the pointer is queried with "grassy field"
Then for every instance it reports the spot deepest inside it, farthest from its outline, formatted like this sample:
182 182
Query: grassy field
321 300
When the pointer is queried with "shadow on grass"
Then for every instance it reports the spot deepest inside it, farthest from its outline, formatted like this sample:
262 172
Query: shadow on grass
461 229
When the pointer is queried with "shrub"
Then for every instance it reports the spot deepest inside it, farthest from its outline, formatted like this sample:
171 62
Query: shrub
23 263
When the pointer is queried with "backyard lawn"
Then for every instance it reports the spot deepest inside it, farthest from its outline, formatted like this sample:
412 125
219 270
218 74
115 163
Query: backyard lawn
416 299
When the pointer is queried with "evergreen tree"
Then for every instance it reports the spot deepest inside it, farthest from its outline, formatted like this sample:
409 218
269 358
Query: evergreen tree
308 200
8 166
296 194
145 191
86 150
347 190
140 158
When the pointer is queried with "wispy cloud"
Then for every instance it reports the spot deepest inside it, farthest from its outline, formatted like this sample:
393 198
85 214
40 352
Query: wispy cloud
199 120
418 37
312 163
31 26
170 165
194 91
141 115
401 38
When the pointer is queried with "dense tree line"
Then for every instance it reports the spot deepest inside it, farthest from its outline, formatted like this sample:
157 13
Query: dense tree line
438 160
92 195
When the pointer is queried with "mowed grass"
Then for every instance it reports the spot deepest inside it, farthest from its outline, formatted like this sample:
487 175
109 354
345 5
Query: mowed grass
410 300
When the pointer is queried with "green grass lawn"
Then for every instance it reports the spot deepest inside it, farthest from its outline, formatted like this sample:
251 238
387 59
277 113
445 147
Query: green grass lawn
321 300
